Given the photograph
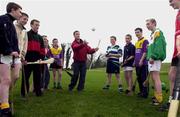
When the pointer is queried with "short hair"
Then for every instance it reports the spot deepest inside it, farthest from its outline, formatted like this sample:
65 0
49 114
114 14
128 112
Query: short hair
129 35
139 29
44 35
54 39
75 32
12 5
34 20
113 37
152 20
25 14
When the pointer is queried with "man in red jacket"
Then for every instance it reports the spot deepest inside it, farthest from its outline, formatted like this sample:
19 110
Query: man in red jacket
80 49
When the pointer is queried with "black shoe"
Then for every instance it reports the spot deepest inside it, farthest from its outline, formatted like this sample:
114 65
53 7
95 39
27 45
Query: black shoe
164 107
106 87
59 87
54 87
128 92
39 93
155 102
6 112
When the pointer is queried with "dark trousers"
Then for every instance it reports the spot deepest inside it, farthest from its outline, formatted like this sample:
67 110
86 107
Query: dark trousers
45 77
79 72
142 73
36 69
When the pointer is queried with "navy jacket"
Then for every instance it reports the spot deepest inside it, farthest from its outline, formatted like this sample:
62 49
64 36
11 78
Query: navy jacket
129 50
8 36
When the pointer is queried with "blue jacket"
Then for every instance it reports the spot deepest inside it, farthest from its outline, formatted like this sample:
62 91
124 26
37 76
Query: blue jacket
8 36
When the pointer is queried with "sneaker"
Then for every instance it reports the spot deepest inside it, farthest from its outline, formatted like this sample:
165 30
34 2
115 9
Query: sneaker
54 86
155 102
106 87
59 87
6 112
128 92
164 107
120 89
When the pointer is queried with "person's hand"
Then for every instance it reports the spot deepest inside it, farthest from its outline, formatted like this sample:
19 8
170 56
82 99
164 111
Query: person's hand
140 63
178 55
151 61
96 49
15 54
24 62
85 42
125 61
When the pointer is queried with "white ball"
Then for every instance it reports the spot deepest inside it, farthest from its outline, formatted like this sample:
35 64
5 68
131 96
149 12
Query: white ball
93 29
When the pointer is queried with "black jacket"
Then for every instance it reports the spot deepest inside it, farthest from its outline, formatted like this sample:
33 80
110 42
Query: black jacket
8 36
35 50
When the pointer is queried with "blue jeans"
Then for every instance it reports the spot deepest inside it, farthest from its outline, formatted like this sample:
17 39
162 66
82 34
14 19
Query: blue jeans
79 72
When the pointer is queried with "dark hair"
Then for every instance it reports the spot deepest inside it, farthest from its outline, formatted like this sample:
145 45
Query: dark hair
139 29
75 32
152 20
25 14
129 35
44 35
54 39
34 20
113 37
12 5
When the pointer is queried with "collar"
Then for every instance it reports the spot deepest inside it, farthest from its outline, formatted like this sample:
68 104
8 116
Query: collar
20 26
128 44
141 38
11 17
77 41
33 32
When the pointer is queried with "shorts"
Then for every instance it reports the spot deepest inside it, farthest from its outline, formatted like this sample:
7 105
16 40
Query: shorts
55 66
174 61
112 67
154 67
127 68
8 60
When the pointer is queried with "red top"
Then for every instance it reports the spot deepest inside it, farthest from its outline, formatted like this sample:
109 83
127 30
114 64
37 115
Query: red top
81 50
177 32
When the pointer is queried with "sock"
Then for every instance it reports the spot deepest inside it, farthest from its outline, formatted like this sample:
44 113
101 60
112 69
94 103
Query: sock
5 105
159 97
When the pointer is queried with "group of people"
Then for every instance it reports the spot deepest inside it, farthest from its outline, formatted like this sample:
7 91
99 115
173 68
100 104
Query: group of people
145 56
19 47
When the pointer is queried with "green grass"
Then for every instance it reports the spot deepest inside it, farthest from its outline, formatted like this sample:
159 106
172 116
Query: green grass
92 102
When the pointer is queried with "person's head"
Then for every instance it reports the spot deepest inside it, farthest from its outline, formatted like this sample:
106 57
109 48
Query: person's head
139 32
151 24
35 25
55 42
14 10
76 34
23 19
128 38
175 4
46 42
113 40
